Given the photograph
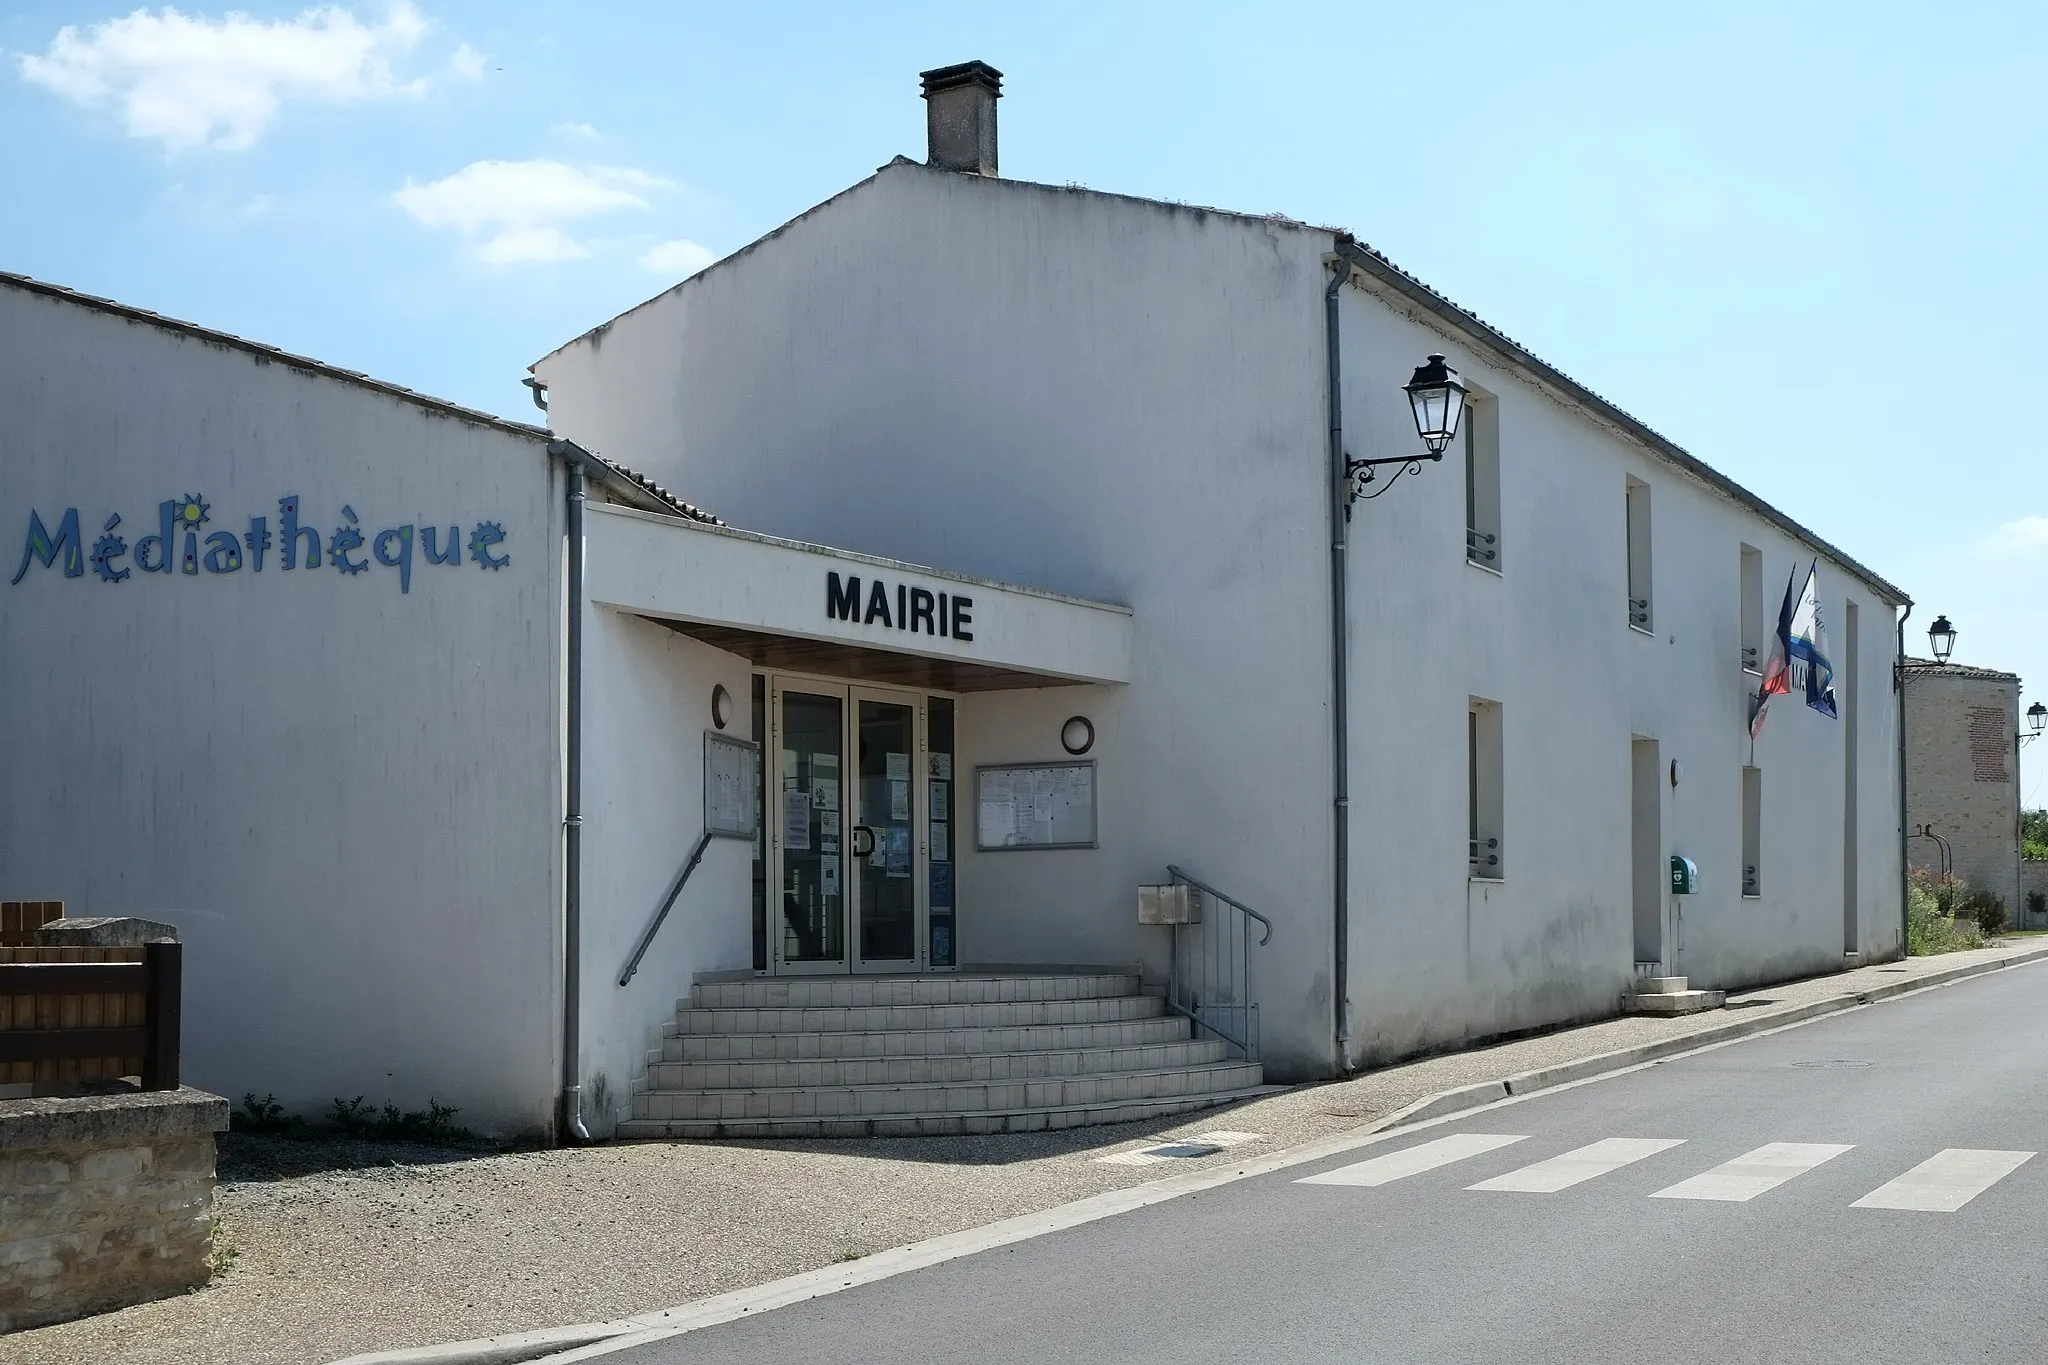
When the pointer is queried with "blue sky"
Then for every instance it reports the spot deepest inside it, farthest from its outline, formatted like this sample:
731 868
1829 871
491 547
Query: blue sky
1801 242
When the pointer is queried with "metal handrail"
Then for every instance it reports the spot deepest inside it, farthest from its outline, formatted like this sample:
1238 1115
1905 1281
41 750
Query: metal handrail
1476 542
674 890
1209 978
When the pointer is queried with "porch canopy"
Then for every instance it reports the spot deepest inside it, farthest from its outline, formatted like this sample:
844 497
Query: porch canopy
808 608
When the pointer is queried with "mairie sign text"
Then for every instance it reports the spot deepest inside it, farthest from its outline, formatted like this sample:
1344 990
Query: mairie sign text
182 543
911 609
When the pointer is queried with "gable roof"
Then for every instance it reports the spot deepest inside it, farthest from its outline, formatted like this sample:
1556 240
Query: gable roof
636 488
1369 261
276 356
1932 669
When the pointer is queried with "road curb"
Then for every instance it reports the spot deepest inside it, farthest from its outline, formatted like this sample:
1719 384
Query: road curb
567 1342
1544 1078
505 1350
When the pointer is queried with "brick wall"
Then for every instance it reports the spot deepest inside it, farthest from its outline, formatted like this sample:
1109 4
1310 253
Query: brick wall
105 1201
1962 773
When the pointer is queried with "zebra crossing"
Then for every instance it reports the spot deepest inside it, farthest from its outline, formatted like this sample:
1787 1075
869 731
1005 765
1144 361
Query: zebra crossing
1943 1183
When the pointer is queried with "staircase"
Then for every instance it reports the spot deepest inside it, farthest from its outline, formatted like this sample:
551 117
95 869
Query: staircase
1669 995
920 1055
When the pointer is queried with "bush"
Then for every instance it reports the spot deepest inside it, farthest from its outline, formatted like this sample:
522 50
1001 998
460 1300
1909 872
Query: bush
1987 908
1930 925
2037 903
430 1125
264 1116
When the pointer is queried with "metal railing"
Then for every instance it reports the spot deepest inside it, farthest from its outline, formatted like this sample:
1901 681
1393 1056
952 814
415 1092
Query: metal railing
1639 612
1484 856
1209 978
1479 546
667 902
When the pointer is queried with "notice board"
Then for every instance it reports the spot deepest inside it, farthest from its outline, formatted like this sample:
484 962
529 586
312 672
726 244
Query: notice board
732 785
1035 805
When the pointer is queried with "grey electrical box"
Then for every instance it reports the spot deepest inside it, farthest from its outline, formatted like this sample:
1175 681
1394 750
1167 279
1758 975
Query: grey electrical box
1176 904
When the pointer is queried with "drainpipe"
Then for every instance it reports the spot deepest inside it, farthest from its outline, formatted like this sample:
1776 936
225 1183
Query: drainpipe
1900 666
1340 704
572 820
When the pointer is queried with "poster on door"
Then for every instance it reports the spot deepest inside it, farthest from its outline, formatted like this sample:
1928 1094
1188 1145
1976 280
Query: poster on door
796 820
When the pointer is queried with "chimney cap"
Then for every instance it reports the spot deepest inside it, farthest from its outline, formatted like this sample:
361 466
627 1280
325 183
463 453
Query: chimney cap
965 73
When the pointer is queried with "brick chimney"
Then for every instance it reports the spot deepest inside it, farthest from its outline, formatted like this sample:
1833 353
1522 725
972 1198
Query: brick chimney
960 117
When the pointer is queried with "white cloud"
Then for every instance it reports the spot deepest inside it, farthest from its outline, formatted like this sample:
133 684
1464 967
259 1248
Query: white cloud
190 81
584 130
679 257
517 212
466 63
2019 536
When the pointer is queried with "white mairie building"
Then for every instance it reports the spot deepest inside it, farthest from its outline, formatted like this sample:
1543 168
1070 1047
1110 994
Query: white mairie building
459 751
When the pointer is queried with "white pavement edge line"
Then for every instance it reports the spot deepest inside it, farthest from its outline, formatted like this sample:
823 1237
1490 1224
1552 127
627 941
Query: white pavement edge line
1430 1111
505 1350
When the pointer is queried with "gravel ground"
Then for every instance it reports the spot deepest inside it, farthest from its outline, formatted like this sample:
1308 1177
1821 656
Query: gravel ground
343 1247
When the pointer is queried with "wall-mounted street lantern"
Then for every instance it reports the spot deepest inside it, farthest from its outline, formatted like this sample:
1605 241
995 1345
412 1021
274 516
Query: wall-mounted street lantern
1941 638
2037 720
1436 397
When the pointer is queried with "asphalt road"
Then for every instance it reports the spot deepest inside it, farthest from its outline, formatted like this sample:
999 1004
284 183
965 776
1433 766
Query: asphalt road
1708 1213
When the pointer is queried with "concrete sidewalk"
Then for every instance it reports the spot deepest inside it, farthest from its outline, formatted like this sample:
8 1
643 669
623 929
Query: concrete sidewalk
434 1250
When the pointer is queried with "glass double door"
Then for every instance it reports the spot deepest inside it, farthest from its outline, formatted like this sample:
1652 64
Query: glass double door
848 854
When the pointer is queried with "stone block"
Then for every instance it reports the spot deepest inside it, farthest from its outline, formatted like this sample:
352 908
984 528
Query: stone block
118 1163
105 1201
103 931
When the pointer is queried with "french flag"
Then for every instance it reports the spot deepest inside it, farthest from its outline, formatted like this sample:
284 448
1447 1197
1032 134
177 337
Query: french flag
1799 652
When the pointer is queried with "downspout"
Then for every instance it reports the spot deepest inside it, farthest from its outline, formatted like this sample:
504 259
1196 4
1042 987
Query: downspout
1340 697
572 818
1905 943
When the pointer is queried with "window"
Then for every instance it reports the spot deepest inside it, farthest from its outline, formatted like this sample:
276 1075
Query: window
1639 555
1483 789
1752 609
1752 831
942 804
1482 483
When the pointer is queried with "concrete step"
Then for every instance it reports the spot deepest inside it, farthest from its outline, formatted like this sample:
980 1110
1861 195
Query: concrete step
723 1047
1660 985
938 1125
930 1069
889 1018
861 1101
1673 1002
947 989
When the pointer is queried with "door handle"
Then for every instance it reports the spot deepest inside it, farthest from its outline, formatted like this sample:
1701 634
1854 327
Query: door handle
858 851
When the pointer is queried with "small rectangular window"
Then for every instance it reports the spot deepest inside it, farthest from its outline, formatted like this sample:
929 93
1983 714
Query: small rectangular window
1639 614
1483 789
942 804
1752 831
1752 587
1482 483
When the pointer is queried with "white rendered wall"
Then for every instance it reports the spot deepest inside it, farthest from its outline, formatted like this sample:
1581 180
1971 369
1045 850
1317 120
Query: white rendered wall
1440 957
647 694
1021 384
347 798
